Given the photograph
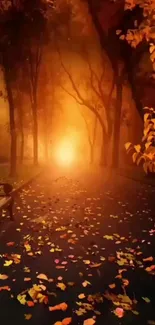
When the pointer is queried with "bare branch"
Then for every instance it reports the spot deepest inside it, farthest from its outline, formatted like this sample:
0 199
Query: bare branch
72 95
87 128
83 102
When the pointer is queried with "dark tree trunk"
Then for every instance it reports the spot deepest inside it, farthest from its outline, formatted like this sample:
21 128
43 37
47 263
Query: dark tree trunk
22 147
46 147
22 141
13 144
46 140
35 131
117 123
104 150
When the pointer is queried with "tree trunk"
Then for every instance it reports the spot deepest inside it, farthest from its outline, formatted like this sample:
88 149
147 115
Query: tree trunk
46 146
117 124
92 143
35 132
22 141
13 145
104 150
22 147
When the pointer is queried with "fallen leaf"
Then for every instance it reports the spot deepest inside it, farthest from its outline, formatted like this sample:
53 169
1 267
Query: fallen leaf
146 299
3 277
67 321
8 263
148 259
61 285
28 316
42 277
30 303
81 296
11 243
7 288
27 279
112 286
85 283
63 306
22 299
119 312
89 321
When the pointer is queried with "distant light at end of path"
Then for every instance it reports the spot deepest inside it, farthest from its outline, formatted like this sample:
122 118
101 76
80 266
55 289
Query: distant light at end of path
65 154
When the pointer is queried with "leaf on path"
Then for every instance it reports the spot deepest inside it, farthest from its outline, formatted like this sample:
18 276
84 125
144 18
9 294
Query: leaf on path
87 262
27 279
22 299
67 321
146 299
63 306
3 277
30 303
89 321
85 283
42 277
119 312
81 296
135 312
28 316
7 288
11 243
150 269
8 263
62 286
148 259
112 286
108 237
56 261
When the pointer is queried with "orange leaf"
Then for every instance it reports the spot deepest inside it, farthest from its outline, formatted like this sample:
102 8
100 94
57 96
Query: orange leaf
30 303
89 321
63 306
66 321
7 288
11 243
112 286
3 276
119 312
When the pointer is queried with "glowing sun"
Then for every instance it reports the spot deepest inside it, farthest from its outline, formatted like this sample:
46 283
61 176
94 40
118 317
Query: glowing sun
65 154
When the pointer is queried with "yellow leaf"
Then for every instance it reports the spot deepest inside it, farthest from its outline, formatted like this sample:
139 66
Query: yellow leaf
42 277
22 299
3 277
85 283
8 263
28 316
81 296
62 286
146 299
127 145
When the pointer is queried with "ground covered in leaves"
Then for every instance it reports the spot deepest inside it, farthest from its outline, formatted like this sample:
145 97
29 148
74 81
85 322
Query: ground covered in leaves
81 251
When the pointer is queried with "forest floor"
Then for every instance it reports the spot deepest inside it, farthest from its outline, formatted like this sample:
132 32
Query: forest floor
81 251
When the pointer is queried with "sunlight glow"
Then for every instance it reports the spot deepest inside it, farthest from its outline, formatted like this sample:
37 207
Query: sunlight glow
65 154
